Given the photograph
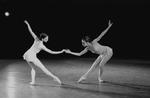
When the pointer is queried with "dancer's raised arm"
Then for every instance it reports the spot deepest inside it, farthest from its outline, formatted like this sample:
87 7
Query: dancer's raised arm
32 33
102 34
77 54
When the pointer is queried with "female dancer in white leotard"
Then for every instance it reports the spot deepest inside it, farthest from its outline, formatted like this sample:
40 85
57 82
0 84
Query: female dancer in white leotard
31 58
105 53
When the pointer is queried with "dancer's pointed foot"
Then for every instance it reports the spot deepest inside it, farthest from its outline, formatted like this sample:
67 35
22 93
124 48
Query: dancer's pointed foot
100 80
81 79
32 83
57 80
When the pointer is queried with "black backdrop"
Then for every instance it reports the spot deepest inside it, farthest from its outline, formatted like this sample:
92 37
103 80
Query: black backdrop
68 21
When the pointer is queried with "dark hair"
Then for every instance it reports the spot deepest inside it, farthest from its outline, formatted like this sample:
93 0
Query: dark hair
42 36
86 39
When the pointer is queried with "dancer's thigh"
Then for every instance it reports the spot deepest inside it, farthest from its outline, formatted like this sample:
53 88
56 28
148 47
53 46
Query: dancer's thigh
98 60
38 63
32 65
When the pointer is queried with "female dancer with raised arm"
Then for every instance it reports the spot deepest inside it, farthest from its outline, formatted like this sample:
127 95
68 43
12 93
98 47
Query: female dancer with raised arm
105 53
31 58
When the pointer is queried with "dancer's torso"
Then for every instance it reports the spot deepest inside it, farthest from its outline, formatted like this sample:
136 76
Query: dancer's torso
97 48
36 47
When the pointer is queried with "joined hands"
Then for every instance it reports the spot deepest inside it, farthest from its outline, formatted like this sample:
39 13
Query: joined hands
66 51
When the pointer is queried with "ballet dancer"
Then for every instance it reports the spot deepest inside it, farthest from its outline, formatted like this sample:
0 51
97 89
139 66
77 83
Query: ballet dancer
105 53
31 58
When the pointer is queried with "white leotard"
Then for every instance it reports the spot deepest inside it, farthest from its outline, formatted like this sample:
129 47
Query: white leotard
30 55
99 49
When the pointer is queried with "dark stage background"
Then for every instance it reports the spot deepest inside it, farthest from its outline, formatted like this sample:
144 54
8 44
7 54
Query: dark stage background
68 21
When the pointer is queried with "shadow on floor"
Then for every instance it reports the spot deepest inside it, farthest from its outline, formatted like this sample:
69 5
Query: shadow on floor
98 92
133 86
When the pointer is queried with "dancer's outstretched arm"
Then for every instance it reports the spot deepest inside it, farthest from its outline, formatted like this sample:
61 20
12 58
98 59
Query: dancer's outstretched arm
103 33
50 51
32 33
77 54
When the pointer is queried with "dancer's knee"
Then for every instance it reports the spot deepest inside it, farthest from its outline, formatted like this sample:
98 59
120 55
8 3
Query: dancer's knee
31 64
33 70
100 67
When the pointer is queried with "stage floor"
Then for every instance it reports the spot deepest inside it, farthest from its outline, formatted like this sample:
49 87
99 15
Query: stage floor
125 80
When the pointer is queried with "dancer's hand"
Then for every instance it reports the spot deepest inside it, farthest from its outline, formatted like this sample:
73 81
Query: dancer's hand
25 22
68 51
109 23
64 50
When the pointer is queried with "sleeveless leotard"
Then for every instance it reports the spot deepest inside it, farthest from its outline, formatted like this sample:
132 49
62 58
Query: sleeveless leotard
30 55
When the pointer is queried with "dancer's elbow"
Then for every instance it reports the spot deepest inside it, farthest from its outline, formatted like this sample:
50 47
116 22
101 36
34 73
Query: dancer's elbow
79 54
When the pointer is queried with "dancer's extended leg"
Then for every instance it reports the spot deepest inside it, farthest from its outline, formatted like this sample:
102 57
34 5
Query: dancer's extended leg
93 67
40 65
102 63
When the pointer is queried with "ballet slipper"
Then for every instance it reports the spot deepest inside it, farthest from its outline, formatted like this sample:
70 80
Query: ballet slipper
57 80
81 79
32 83
100 80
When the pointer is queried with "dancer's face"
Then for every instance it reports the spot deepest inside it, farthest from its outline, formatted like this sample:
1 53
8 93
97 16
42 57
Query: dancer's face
84 43
45 39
